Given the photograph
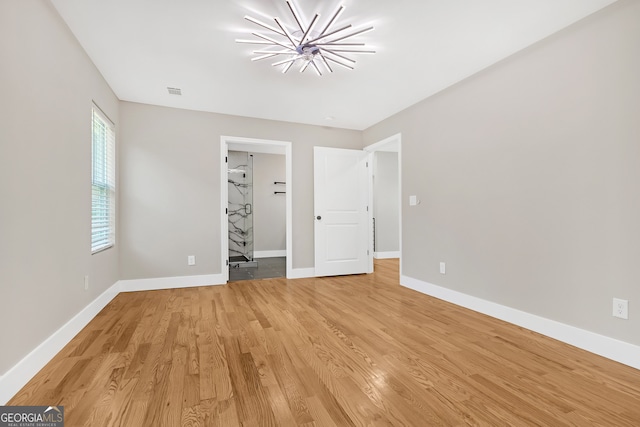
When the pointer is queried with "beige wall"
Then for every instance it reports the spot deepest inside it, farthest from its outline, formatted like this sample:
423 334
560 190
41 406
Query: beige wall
529 177
45 177
270 213
170 185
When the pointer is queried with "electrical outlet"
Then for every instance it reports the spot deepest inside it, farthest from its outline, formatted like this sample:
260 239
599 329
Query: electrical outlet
443 268
86 283
191 260
620 308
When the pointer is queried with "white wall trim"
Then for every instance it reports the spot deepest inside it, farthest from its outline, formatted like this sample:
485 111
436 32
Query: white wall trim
386 255
224 203
620 351
391 141
16 377
134 285
301 273
270 254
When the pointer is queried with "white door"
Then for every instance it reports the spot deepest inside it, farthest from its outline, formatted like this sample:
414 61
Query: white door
341 194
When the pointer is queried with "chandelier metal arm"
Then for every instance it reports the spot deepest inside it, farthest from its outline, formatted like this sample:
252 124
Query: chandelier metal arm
335 15
286 33
267 54
316 67
286 68
329 34
324 61
339 63
274 52
295 16
349 50
273 41
263 25
339 44
338 55
313 21
305 65
352 34
284 61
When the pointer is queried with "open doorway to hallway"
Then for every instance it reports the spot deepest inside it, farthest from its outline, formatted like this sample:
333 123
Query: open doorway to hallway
386 196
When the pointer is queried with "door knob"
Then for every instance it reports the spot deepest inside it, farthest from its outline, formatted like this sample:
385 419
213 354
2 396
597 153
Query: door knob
318 217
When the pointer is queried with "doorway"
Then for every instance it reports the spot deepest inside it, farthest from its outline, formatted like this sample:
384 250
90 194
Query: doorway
348 235
269 265
386 197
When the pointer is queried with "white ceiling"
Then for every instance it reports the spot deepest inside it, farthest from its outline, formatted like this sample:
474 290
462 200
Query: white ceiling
423 46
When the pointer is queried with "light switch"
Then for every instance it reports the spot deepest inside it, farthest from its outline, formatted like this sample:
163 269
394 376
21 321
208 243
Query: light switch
413 200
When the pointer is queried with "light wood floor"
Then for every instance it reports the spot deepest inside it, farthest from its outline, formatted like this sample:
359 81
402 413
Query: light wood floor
343 351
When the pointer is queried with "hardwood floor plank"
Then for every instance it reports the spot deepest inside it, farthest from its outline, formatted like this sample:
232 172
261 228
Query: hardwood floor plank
191 391
157 397
146 382
116 410
244 401
192 417
135 414
220 413
100 385
290 384
319 412
344 351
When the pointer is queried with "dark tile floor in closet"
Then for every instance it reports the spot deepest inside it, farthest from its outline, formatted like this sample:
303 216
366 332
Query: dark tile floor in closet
267 268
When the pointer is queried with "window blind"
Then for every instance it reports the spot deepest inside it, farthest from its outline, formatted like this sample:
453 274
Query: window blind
102 182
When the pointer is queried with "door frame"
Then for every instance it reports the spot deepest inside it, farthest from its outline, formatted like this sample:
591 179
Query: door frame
253 145
395 142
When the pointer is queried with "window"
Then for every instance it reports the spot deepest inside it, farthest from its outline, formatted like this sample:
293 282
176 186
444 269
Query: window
103 194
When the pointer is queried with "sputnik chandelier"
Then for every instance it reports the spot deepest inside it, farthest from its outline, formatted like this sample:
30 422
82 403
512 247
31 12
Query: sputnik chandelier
300 43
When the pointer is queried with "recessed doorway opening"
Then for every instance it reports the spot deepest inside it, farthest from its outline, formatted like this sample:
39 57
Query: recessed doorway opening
386 197
256 189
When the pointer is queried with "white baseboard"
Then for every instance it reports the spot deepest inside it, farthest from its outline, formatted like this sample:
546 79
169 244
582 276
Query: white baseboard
386 255
16 377
620 351
134 285
269 254
301 273
20 374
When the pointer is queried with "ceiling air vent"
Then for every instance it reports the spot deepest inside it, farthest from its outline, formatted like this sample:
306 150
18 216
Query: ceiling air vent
174 91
